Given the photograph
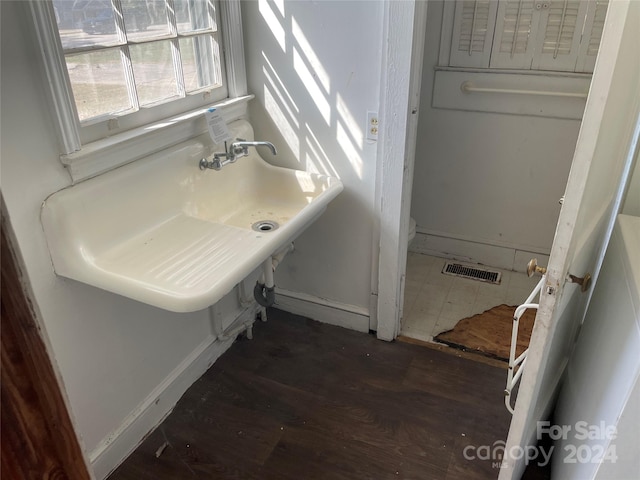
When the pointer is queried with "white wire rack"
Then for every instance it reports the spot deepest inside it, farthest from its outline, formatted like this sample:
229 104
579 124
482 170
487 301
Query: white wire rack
516 365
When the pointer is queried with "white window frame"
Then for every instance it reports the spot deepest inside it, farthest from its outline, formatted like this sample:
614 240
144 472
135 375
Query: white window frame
89 159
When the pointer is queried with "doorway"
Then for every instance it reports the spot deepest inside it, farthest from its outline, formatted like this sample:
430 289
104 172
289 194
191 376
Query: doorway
490 166
594 191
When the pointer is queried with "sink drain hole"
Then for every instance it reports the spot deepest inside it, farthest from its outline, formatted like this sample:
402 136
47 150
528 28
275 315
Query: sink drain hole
265 226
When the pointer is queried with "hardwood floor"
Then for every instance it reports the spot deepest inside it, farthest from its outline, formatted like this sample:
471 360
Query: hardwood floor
306 400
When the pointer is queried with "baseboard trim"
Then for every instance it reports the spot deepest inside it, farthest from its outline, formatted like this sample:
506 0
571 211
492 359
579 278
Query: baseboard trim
484 241
323 310
477 251
118 445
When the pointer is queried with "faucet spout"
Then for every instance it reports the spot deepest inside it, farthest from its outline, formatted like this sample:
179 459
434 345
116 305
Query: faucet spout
242 147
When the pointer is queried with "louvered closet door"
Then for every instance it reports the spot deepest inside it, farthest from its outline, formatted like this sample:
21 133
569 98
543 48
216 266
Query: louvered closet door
514 41
596 13
558 40
473 27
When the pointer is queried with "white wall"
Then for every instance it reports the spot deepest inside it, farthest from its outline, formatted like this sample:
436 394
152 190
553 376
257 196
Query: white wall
314 68
631 205
113 353
486 177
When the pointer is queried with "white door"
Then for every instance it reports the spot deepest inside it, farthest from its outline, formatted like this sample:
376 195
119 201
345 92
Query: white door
604 153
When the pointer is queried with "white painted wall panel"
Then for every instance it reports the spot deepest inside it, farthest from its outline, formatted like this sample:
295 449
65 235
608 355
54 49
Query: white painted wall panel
521 94
631 204
487 177
314 68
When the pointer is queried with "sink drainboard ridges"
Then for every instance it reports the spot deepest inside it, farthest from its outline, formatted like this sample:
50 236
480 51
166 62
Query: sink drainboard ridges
183 262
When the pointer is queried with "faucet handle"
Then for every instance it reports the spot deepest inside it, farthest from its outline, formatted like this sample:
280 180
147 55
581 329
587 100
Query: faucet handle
236 149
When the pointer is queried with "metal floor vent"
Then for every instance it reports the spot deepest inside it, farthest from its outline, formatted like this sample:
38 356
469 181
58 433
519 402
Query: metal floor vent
472 273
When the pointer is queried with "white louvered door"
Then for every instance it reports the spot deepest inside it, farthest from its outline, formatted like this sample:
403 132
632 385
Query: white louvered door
473 27
513 43
546 35
558 38
596 13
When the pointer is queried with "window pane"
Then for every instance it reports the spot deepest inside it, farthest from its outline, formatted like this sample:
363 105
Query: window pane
114 71
153 71
198 65
144 19
83 24
192 15
98 83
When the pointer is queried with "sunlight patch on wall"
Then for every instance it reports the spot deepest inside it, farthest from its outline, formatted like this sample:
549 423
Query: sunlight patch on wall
349 149
280 106
311 163
273 87
274 79
320 162
289 133
309 82
280 6
320 73
274 24
350 123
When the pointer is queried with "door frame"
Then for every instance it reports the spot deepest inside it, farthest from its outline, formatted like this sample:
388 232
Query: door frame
34 407
404 27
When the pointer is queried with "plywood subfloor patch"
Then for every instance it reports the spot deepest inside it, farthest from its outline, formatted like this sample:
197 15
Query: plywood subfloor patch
489 333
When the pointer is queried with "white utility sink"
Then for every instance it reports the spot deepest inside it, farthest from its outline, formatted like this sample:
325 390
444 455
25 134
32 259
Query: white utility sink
163 232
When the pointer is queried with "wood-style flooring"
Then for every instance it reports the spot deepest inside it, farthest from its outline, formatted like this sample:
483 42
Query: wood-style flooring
306 400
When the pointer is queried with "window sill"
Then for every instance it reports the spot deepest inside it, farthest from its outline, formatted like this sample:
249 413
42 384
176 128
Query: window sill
106 154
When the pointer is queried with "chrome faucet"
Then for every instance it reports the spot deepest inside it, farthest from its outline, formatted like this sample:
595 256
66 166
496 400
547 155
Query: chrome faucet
237 150
241 147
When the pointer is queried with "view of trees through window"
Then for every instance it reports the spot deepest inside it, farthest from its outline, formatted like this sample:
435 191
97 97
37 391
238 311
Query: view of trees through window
122 55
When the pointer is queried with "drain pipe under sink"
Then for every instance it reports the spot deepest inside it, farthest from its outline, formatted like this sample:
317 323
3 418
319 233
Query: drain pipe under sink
264 291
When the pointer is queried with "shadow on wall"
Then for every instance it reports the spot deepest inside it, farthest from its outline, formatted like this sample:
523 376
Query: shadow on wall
310 104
